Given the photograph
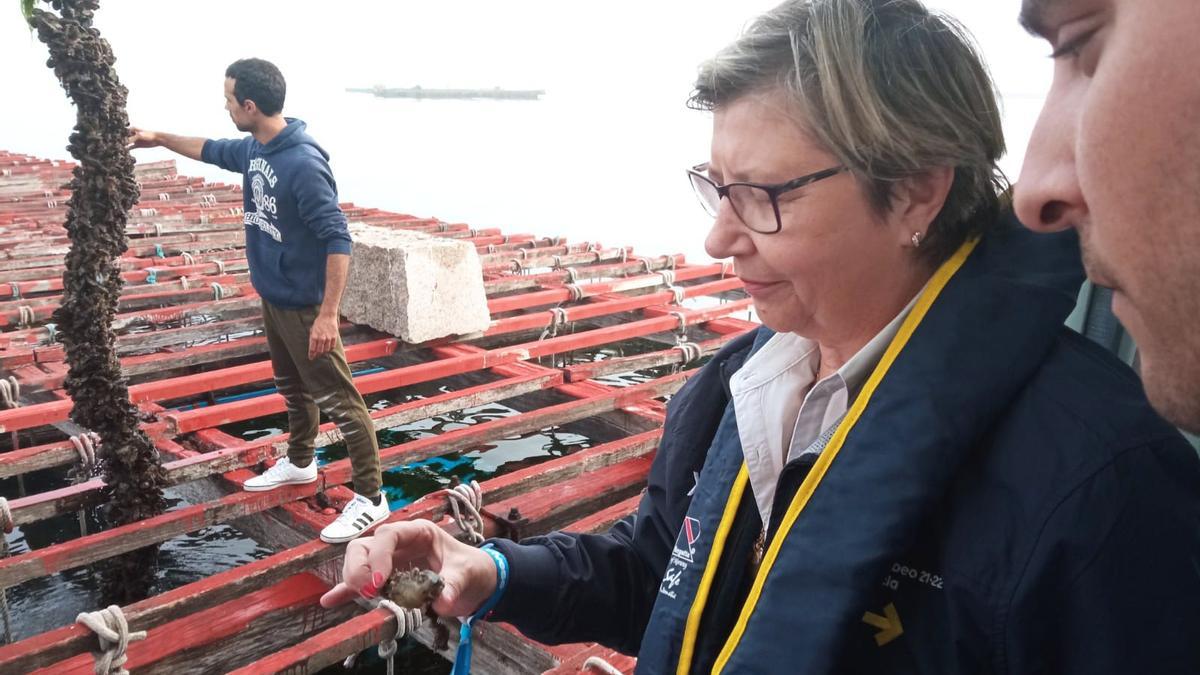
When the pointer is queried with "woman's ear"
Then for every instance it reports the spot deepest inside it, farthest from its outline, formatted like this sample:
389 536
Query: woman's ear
917 200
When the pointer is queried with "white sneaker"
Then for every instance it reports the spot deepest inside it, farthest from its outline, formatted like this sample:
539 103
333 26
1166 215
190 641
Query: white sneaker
360 515
283 473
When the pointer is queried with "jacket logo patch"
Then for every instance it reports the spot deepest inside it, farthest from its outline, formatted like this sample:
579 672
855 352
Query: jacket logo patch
685 543
682 556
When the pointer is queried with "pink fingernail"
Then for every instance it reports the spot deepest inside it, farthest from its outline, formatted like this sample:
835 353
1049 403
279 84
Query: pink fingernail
377 579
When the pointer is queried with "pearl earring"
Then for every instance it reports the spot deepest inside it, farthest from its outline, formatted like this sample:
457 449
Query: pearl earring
916 239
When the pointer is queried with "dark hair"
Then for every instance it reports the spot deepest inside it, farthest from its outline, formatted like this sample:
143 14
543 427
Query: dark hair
259 81
887 86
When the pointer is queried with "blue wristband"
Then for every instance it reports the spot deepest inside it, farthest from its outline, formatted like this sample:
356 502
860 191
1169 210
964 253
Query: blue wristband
462 657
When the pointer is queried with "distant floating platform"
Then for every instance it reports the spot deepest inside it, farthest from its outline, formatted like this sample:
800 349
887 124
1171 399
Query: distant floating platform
419 92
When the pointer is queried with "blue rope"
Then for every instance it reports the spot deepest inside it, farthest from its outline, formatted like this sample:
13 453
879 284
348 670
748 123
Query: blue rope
462 658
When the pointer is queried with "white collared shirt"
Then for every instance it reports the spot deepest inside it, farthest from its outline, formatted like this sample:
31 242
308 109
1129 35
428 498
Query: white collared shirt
781 412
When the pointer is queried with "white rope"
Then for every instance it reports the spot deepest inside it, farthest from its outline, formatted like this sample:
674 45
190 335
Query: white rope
220 266
598 664
557 262
519 266
157 229
407 621
691 351
572 275
164 197
465 501
27 316
726 268
183 281
646 263
668 278
187 258
576 292
218 291
86 445
9 398
558 319
6 526
679 316
6 517
113 630
491 248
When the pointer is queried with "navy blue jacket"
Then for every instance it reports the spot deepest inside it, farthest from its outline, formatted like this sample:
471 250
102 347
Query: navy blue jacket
291 212
1000 499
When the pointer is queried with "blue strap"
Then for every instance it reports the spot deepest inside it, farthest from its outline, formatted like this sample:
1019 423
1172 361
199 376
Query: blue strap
151 275
159 252
462 658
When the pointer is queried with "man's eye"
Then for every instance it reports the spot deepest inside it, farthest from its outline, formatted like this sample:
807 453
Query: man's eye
1072 47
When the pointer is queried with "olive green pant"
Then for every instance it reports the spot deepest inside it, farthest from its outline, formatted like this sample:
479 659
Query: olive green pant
321 385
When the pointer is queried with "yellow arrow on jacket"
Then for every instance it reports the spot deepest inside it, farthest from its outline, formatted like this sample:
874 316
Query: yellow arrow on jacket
888 624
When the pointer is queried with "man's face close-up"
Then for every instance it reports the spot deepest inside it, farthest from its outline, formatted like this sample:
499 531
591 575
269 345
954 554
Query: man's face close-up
1116 154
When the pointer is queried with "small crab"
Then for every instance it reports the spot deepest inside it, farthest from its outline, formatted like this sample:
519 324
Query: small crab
417 589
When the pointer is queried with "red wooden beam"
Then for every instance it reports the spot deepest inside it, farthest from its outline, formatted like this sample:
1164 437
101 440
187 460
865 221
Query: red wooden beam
560 295
234 454
179 387
543 509
56 645
226 413
204 628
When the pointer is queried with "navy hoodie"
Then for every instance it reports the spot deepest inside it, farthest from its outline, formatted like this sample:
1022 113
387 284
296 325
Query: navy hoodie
291 209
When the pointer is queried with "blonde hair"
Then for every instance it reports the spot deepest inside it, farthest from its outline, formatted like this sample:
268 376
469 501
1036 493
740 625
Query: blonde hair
888 87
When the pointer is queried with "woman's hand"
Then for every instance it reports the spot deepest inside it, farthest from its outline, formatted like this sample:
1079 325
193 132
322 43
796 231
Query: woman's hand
468 574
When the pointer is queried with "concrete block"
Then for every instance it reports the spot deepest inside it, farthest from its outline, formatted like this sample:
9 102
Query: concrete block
413 285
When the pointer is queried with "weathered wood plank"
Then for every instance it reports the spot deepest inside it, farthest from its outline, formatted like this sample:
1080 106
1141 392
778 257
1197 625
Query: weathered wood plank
72 498
52 559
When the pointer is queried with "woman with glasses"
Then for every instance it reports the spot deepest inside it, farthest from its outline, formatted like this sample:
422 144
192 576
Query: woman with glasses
913 466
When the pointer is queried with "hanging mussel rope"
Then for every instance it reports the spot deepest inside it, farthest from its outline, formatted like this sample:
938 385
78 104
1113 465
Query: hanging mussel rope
103 190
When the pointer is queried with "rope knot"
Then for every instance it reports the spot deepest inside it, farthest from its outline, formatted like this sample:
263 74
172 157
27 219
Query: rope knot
6 516
466 499
112 629
558 321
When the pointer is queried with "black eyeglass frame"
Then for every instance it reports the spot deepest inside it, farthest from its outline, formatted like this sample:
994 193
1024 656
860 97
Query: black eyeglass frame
773 190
